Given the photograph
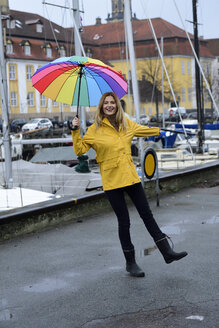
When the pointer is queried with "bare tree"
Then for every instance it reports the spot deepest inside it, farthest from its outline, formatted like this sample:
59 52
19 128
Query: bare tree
213 82
151 72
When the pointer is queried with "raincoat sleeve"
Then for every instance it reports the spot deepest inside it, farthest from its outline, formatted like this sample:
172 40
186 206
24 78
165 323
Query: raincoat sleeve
144 131
82 145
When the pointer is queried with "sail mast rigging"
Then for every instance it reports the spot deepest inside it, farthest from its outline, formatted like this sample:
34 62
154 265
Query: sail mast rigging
198 82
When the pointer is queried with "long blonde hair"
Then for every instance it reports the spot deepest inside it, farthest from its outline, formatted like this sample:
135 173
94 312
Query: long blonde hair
120 116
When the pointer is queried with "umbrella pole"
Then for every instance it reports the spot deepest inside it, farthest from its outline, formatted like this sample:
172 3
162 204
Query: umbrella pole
79 91
79 88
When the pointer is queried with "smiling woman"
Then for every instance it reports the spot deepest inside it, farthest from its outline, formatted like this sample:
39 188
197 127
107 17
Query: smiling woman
111 136
109 106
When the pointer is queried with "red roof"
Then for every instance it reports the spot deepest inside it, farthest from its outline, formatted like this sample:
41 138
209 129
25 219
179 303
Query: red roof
106 41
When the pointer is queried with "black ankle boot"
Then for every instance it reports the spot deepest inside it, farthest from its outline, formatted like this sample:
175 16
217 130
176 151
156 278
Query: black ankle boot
168 254
131 265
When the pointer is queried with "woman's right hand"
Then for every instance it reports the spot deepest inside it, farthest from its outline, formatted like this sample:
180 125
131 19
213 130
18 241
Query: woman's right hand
76 122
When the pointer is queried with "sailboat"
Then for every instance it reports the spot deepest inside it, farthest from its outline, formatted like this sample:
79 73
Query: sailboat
207 134
26 173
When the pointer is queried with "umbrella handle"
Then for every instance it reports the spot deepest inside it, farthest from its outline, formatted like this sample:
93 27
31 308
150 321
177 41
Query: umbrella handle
72 127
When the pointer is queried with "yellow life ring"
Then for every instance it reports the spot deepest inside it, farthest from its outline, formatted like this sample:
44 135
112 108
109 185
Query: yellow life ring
150 163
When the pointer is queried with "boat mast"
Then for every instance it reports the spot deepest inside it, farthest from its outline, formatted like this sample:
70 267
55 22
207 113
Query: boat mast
4 103
78 52
128 25
198 81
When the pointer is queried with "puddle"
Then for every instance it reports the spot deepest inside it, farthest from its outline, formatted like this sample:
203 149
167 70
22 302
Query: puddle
5 315
213 220
47 285
195 317
182 204
172 230
146 251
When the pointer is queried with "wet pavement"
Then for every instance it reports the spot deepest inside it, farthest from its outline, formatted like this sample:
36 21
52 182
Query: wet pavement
73 275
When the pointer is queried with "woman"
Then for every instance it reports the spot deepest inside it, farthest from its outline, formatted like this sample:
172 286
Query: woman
110 136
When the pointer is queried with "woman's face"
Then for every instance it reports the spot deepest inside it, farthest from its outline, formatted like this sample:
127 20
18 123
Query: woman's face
109 106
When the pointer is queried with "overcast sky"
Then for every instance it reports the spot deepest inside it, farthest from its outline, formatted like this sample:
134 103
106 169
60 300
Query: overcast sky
208 11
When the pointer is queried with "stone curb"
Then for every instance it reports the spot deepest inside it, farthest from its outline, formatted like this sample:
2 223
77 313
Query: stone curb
33 218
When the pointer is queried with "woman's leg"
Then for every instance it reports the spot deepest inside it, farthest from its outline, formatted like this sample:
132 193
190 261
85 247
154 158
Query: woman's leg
138 197
118 203
137 194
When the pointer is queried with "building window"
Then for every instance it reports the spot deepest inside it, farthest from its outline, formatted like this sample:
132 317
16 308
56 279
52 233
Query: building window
189 94
183 94
89 53
12 72
27 50
13 99
208 67
189 67
54 103
182 67
30 99
48 49
10 23
29 72
39 28
42 101
62 52
48 52
9 47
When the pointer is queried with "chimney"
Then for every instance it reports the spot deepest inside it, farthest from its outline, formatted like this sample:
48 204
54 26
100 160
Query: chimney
98 21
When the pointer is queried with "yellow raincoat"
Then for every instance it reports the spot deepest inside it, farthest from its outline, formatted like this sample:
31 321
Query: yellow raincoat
113 151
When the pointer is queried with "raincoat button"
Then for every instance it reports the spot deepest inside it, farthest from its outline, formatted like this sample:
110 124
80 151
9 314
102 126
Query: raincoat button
123 152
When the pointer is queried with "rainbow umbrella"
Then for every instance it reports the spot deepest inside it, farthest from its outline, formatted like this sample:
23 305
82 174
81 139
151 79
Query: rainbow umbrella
78 81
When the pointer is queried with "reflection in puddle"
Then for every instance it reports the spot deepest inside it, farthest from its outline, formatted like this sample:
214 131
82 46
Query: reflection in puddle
5 315
46 285
173 230
147 251
214 219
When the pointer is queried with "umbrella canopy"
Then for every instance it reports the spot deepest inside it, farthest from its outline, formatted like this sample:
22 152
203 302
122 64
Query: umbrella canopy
78 81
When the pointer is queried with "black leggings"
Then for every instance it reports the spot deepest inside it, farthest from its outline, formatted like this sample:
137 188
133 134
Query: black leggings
136 192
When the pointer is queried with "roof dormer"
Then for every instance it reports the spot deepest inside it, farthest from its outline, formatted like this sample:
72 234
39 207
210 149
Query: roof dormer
26 47
36 24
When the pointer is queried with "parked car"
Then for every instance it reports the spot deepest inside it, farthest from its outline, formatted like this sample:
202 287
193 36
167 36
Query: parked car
160 118
176 118
13 127
37 123
56 123
174 111
144 119
192 116
19 122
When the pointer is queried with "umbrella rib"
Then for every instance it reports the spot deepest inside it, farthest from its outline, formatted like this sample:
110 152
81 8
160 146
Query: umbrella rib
64 84
91 76
113 80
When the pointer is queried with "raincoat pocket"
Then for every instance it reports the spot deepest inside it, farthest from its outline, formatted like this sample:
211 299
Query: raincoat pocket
109 166
110 174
